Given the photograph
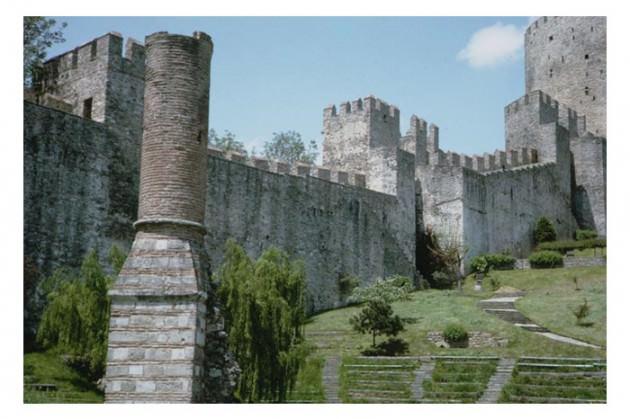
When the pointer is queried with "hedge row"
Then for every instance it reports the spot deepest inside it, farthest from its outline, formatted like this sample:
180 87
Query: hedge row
546 259
498 261
585 235
563 246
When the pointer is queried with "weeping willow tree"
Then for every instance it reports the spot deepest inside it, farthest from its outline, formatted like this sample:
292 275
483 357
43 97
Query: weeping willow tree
264 305
75 321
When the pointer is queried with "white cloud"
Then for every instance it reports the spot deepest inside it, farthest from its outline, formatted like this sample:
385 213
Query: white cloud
493 45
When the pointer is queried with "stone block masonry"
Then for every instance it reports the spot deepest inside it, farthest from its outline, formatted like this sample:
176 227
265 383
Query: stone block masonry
162 306
337 229
73 199
565 56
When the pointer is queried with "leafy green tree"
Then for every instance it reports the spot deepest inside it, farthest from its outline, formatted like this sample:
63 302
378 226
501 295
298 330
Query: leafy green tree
75 321
544 231
289 147
264 306
39 34
227 142
393 288
377 318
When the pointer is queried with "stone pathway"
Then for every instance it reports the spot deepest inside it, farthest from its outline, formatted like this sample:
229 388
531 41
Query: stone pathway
500 378
424 372
502 306
330 379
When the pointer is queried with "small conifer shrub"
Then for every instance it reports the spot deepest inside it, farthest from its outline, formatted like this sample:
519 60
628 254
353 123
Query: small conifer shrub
544 231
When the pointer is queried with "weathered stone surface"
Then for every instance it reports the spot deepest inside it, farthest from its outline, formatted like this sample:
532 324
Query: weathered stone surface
565 56
475 340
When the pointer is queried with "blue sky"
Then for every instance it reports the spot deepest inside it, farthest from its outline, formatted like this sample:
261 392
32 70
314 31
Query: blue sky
277 74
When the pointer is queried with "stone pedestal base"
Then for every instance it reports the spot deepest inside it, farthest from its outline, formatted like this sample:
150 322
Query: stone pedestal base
157 333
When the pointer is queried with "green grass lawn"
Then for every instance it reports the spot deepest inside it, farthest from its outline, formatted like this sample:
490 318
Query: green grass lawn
48 368
590 252
308 386
563 382
459 380
432 310
552 295
364 380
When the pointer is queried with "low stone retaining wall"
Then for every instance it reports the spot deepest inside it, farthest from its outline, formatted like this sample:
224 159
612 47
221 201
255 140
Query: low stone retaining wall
475 340
569 262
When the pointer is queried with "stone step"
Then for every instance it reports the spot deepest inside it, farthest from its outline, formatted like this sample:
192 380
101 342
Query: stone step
564 374
376 393
453 383
470 394
394 358
528 399
385 400
564 386
440 401
377 366
503 310
393 373
471 362
330 379
379 382
464 357
547 358
496 305
537 365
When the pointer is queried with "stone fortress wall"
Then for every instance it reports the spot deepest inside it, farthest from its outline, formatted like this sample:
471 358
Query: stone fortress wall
82 133
360 213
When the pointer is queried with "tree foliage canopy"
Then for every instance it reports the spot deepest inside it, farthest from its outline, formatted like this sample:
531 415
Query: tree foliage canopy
39 35
377 318
393 288
227 142
264 304
289 147
76 318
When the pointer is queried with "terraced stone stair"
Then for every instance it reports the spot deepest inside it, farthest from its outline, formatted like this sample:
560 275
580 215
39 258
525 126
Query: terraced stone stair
378 379
458 379
501 376
556 380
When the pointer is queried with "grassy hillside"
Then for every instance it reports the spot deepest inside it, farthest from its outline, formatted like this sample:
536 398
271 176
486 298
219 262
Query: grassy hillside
48 368
546 302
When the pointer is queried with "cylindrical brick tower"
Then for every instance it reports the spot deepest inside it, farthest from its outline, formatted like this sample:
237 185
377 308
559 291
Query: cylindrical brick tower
157 334
565 57
174 157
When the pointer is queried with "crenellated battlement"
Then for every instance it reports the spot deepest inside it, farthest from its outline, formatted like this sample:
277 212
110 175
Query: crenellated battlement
298 169
106 50
368 105
498 160
536 99
524 168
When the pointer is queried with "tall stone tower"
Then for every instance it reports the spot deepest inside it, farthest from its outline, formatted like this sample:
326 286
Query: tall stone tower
157 338
565 57
363 136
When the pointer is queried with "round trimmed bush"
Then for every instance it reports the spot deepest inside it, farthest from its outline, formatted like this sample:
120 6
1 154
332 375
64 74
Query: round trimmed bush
545 259
500 261
455 333
479 264
497 261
